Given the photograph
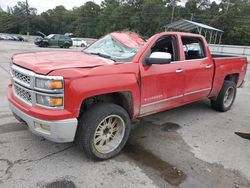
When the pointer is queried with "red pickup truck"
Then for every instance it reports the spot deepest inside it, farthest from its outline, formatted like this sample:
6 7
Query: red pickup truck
92 96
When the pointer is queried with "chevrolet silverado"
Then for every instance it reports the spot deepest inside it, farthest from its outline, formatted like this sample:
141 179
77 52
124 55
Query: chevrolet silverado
92 96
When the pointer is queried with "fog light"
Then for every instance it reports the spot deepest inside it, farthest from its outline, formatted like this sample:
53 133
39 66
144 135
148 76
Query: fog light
42 128
45 127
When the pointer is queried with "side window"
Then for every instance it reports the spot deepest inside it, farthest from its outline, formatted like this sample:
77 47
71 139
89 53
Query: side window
193 48
61 37
166 44
56 37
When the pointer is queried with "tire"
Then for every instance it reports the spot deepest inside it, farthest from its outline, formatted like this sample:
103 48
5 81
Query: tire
45 44
41 44
93 127
228 91
82 45
66 45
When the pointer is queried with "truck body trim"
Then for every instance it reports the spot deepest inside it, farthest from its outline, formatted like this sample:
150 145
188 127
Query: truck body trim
198 91
175 97
163 100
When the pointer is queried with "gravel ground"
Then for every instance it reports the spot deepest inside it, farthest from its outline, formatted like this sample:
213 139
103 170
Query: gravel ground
188 147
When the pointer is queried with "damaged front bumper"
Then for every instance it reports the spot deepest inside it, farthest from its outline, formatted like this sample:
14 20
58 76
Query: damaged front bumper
57 130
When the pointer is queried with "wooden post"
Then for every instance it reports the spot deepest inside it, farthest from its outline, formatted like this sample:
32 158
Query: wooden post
215 37
220 38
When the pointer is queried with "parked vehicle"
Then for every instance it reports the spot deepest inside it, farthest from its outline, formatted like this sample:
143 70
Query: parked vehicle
7 37
20 38
61 41
11 37
79 42
14 37
92 96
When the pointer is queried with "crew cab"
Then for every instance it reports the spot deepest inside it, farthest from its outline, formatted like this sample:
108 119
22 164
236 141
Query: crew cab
92 96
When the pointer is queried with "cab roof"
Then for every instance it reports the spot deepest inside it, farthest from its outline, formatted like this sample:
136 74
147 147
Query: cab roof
129 39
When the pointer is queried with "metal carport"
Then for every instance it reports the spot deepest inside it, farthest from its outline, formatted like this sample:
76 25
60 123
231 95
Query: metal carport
210 33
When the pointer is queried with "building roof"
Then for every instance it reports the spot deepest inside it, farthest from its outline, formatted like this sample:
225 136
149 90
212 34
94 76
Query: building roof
188 26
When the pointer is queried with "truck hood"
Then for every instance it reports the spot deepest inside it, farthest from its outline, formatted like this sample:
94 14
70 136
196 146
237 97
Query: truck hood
45 62
41 34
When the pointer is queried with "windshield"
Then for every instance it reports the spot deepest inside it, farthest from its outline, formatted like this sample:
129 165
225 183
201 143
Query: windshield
110 47
50 36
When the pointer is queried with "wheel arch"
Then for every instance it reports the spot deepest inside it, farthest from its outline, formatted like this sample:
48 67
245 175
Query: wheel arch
232 77
122 98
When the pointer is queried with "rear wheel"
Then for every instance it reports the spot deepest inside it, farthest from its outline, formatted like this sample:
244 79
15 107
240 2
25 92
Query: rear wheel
225 98
66 45
103 131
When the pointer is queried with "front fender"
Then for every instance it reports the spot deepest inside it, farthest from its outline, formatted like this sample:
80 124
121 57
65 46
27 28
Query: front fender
92 86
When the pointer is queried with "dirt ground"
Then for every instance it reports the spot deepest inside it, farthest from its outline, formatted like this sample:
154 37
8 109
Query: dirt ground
189 147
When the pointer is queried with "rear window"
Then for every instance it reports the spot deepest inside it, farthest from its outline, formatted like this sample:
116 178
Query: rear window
193 48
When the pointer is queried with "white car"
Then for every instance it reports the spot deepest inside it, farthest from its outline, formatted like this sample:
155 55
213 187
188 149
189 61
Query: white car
79 42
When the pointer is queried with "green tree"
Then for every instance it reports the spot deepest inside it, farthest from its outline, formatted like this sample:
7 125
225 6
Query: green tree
145 17
86 19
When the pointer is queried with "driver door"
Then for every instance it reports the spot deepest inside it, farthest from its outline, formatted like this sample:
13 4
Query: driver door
162 85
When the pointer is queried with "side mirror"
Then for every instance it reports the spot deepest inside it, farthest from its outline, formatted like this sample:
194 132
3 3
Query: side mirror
158 58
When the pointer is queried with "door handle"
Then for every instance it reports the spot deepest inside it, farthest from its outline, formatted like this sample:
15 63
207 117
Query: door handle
208 66
179 70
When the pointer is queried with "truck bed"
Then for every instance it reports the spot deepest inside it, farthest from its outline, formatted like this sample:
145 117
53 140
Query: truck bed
227 65
215 56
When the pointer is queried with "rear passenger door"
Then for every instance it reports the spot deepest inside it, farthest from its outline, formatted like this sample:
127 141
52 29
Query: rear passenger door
198 68
61 40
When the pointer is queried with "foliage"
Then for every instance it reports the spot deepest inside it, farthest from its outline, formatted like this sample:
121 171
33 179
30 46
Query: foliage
145 17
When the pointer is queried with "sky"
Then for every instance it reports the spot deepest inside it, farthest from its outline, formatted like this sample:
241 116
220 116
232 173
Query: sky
43 5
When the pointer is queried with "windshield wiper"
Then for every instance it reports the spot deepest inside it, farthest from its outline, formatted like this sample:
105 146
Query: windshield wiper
102 55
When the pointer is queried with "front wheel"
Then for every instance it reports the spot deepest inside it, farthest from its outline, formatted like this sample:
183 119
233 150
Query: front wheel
225 98
45 44
103 131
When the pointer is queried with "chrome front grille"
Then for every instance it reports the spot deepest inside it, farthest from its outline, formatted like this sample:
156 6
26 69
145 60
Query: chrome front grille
25 90
23 94
23 80
21 77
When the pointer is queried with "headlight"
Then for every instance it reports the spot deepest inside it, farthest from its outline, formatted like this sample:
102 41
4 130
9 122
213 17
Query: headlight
49 101
49 84
51 91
